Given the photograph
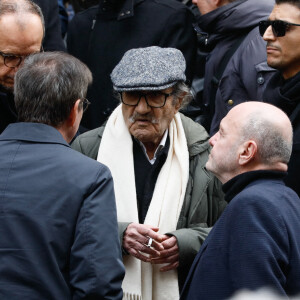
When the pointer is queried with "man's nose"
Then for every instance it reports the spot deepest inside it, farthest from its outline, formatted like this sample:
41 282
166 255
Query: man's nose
213 139
269 35
142 106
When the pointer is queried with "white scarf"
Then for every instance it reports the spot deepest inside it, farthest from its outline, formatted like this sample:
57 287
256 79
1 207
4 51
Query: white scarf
143 280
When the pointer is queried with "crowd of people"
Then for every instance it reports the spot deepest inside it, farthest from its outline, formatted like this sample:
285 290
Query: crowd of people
109 190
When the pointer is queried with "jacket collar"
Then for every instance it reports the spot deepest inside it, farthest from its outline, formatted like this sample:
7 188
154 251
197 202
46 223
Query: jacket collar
234 19
235 185
126 10
33 132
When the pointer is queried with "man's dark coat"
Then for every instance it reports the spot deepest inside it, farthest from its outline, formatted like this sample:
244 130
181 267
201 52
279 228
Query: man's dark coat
58 222
285 94
254 244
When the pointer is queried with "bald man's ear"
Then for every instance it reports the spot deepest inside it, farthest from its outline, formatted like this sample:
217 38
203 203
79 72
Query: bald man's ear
247 152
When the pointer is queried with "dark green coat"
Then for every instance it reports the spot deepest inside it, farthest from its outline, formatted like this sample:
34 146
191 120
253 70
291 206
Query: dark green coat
203 203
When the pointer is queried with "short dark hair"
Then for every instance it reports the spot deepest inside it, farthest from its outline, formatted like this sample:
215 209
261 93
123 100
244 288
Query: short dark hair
48 85
19 7
292 2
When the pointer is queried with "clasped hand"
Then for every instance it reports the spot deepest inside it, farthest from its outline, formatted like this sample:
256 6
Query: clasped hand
163 250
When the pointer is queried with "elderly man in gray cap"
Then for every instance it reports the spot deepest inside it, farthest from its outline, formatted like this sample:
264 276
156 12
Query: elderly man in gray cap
166 200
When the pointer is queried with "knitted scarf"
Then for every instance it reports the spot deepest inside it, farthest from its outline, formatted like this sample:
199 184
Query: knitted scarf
143 280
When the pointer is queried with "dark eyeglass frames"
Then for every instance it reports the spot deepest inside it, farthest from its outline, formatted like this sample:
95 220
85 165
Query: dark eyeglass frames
153 99
85 104
12 60
279 27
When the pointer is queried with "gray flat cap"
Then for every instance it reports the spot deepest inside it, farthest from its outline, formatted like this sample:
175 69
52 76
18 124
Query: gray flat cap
151 68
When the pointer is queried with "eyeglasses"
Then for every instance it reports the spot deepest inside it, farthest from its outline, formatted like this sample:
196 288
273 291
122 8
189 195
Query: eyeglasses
85 104
153 99
279 27
12 60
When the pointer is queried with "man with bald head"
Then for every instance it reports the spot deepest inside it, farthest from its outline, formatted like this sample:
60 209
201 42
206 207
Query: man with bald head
256 241
21 34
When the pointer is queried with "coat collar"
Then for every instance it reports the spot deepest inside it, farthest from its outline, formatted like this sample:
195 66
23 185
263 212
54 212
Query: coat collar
126 10
33 132
235 185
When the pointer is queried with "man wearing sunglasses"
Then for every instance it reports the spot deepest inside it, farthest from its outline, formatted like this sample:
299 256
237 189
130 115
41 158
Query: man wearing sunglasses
165 198
282 34
21 34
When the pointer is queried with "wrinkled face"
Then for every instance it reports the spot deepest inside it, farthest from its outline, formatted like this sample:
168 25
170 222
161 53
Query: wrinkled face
205 6
148 124
284 52
223 159
18 37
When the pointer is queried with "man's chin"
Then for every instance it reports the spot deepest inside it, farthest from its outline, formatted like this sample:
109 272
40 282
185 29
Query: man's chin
209 166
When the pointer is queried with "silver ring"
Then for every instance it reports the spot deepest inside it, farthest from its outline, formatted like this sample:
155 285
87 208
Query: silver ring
149 242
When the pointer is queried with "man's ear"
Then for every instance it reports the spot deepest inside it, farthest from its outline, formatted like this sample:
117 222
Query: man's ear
74 113
247 152
178 104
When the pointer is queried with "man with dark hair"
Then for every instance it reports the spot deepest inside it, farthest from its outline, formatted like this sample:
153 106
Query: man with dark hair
282 34
236 68
21 34
59 237
165 198
256 241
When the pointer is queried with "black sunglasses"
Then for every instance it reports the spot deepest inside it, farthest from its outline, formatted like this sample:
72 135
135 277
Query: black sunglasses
279 27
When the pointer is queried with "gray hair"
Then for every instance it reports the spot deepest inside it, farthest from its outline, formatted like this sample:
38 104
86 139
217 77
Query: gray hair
56 81
181 90
272 145
21 7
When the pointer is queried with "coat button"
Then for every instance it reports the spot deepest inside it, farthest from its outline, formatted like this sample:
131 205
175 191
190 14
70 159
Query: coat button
230 102
127 12
122 14
260 80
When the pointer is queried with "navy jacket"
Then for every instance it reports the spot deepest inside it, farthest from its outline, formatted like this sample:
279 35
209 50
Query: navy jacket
58 224
285 94
255 243
100 35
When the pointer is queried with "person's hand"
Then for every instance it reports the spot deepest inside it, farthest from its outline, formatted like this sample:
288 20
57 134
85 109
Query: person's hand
169 256
136 239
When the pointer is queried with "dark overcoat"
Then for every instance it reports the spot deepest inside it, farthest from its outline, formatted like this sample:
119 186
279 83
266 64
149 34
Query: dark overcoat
58 223
254 244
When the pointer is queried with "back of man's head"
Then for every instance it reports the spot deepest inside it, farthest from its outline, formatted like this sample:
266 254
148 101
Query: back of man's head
271 130
47 87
